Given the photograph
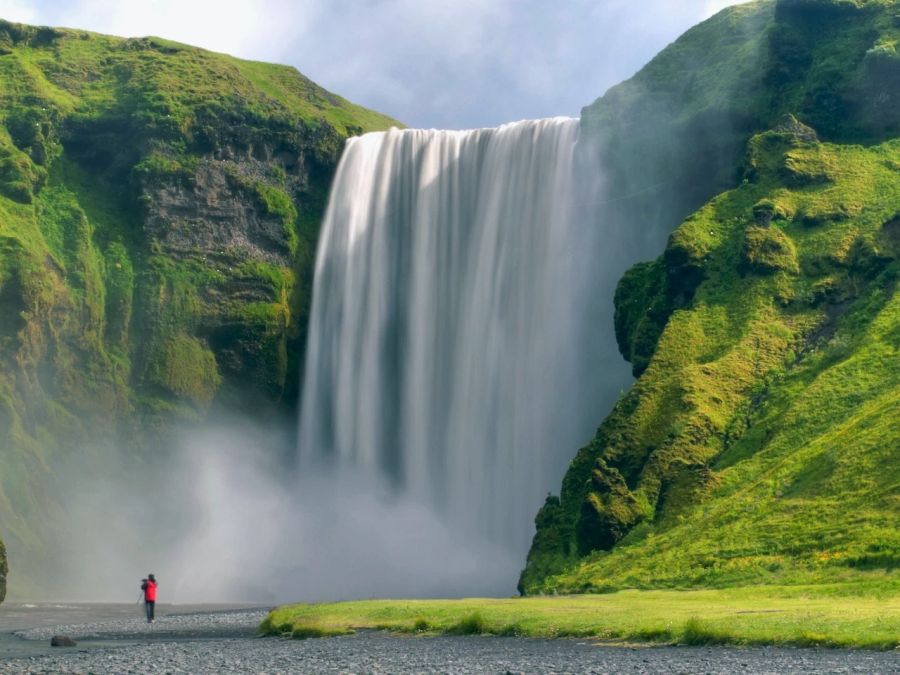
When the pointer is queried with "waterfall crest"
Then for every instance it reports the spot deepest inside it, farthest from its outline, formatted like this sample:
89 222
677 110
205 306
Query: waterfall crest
448 326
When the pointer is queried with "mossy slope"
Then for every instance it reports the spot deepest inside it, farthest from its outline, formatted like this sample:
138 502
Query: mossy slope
771 307
760 443
159 207
673 136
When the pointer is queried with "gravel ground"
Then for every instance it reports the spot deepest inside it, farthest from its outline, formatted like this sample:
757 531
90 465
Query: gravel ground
193 643
232 623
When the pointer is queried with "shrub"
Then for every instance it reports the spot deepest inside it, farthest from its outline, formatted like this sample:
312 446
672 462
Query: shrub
768 250
471 624
697 632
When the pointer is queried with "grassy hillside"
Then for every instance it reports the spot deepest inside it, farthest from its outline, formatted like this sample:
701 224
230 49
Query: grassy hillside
159 207
759 444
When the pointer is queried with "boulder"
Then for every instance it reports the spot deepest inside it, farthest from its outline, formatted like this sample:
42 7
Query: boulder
61 641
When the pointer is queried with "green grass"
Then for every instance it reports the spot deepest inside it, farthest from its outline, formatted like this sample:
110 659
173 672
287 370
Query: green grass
863 615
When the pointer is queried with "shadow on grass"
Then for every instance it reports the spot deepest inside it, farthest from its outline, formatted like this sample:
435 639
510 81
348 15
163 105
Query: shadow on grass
699 633
299 631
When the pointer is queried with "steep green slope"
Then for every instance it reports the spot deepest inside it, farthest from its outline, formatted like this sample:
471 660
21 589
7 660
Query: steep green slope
159 207
759 442
672 137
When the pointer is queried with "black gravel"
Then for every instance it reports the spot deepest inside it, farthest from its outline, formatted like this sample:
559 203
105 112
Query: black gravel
232 623
198 647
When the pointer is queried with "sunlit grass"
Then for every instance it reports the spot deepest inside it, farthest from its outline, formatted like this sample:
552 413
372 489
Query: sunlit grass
865 615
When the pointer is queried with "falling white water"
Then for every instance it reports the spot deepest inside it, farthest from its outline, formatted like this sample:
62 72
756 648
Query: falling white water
447 343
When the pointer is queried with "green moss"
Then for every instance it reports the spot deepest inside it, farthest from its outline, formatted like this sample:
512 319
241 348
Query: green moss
119 282
19 176
275 202
186 368
280 279
158 166
766 210
643 305
768 250
808 166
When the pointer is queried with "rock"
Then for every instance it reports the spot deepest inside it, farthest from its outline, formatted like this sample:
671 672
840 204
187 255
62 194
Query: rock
791 126
4 569
61 641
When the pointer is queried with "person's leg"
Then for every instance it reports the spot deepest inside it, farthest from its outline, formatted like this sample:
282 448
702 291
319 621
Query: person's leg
148 609
152 610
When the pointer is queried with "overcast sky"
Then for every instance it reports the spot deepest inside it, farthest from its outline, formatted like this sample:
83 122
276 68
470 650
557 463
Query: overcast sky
428 63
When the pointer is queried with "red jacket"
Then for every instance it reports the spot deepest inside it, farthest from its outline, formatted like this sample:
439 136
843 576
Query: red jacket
149 588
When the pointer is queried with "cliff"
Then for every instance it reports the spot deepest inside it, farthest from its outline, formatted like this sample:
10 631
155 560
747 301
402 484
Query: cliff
159 208
757 443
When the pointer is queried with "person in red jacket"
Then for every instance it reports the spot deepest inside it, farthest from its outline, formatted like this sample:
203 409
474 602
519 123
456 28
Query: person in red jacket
148 585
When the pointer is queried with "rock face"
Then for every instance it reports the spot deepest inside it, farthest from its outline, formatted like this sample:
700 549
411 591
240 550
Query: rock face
213 213
159 208
758 294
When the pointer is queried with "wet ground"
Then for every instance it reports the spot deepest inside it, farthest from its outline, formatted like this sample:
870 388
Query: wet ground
216 639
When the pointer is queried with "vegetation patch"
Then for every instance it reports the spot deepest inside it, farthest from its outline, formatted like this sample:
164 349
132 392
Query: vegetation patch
862 615
767 250
187 369
470 624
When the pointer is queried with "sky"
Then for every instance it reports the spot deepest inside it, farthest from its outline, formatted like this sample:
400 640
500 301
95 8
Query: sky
428 63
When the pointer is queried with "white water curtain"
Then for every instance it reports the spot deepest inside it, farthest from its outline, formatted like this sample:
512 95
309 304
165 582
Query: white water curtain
447 343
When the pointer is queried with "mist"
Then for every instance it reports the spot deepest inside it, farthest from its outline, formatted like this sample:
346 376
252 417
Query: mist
221 517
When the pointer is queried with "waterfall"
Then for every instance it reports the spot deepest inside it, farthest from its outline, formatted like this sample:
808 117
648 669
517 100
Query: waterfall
451 349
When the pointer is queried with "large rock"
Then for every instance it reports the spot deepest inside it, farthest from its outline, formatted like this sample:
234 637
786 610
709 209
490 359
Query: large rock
4 570
62 641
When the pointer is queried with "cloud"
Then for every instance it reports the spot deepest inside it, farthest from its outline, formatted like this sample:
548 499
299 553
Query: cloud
246 28
478 64
19 11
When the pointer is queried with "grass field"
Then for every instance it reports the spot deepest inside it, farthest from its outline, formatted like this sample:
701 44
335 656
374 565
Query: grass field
865 615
